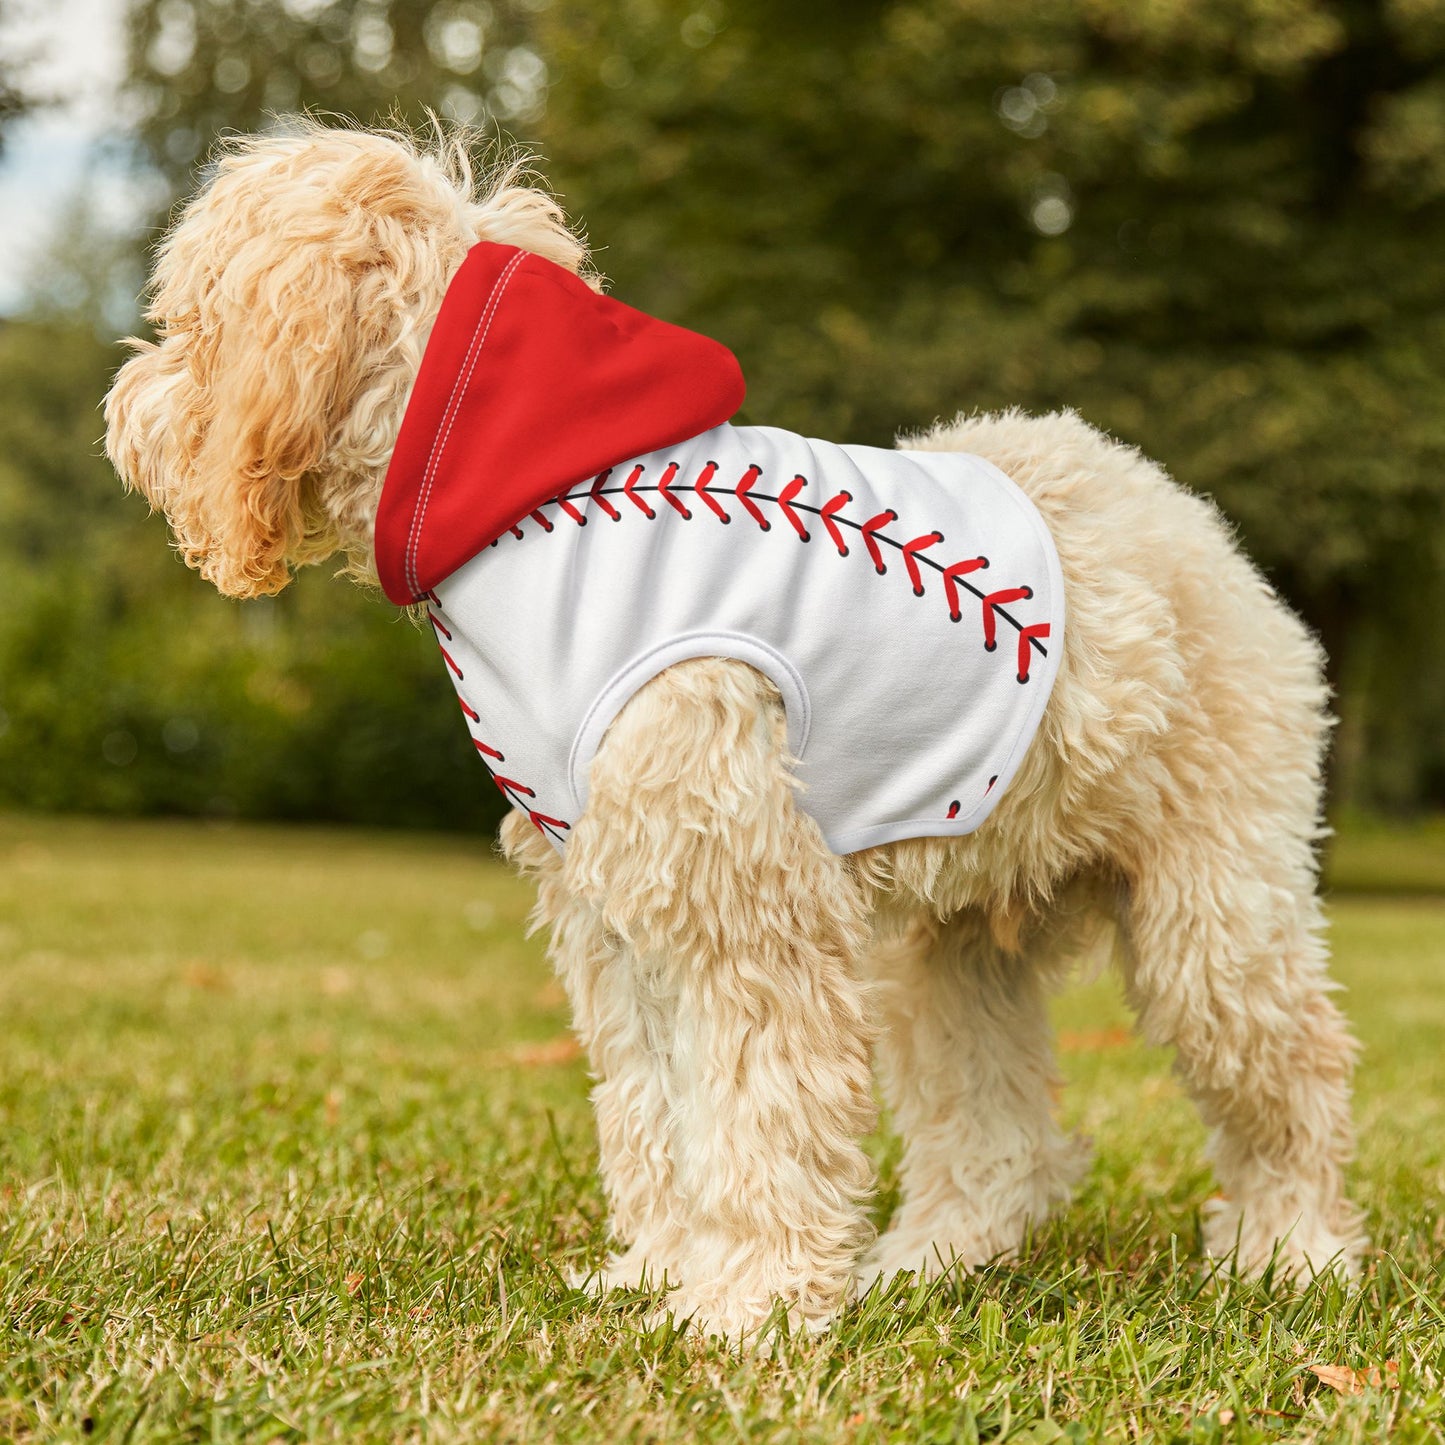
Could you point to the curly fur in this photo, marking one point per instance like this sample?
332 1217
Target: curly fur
729 976
292 301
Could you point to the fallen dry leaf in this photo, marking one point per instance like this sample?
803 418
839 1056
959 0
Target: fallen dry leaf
1097 1041
203 975
560 1050
354 1283
551 995
335 982
1347 1381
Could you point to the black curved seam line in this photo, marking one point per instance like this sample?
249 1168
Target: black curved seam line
844 521
536 822
518 803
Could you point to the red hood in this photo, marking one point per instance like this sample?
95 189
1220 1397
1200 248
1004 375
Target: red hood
531 383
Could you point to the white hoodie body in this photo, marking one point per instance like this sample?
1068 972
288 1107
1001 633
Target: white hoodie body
875 628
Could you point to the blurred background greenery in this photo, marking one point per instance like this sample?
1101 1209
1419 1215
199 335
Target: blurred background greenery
1214 227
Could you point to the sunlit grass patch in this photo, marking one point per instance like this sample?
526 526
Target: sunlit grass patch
292 1146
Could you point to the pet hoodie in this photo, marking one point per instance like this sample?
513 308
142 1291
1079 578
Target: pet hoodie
568 497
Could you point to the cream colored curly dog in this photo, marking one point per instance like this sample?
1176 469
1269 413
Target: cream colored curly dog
730 974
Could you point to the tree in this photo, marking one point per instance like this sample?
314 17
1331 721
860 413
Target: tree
15 97
202 67
1216 229
127 685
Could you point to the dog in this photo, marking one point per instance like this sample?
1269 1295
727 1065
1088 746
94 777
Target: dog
734 969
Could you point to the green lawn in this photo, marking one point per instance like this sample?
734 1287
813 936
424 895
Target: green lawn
292 1147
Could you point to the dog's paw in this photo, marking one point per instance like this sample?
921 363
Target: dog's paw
1299 1245
757 1325
966 1227
635 1269
900 1253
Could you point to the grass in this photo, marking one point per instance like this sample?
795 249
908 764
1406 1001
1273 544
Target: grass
292 1147
1398 858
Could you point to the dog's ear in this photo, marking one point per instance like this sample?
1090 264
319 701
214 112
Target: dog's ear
245 388
286 301
144 415
221 422
278 353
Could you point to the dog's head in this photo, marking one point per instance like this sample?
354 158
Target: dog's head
292 300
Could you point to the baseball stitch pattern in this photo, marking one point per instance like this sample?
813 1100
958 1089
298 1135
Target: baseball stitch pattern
994 604
515 792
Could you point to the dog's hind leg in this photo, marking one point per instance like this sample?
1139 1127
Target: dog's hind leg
743 930
966 1060
1226 962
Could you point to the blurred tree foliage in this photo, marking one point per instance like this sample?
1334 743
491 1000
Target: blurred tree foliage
202 67
1215 227
15 96
127 685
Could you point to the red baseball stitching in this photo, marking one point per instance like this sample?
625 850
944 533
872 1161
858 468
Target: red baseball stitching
827 512
950 585
512 790
870 531
956 805
511 787
1026 636
910 558
749 478
565 504
701 488
663 487
627 491
786 499
991 605
596 495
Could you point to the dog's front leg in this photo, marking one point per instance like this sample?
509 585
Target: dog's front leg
739 930
622 1012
